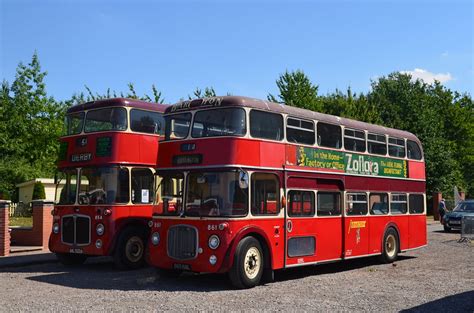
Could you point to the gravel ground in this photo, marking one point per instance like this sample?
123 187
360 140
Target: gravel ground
439 277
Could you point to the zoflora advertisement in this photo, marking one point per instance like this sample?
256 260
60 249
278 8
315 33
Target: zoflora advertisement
351 163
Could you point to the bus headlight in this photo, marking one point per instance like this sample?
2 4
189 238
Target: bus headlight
56 228
214 242
213 260
155 239
100 229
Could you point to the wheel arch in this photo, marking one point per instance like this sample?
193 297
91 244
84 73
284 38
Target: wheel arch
124 224
258 234
397 231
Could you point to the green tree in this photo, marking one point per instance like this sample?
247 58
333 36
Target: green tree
296 89
31 123
89 95
420 108
199 93
351 106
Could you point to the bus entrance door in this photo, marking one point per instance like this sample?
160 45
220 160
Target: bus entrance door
356 225
300 230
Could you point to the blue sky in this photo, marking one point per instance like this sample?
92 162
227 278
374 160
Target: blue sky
239 47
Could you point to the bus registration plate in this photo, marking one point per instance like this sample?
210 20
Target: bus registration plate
179 266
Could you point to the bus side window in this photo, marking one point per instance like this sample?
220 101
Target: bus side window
416 204
300 203
398 203
377 144
266 125
329 203
378 203
265 194
329 135
142 185
356 204
414 151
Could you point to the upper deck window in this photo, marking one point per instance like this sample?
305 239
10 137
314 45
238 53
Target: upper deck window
177 126
219 122
354 140
106 119
266 125
396 147
300 131
329 135
74 123
414 151
147 122
377 144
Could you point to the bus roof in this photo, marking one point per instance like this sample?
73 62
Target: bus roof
229 101
121 102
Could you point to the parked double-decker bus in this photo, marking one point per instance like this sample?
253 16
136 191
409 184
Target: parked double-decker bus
107 160
250 186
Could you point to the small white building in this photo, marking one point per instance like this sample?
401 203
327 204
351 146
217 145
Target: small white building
25 190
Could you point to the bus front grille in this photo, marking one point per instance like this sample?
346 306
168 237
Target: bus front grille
182 242
75 230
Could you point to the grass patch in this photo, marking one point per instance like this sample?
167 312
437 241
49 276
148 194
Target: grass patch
21 221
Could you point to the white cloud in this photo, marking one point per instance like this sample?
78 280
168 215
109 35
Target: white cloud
428 77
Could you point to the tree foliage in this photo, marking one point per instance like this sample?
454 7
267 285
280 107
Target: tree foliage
38 191
443 120
31 123
199 93
297 90
87 96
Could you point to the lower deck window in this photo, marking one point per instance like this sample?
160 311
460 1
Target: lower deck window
142 185
378 203
416 204
300 203
398 203
265 194
329 203
356 204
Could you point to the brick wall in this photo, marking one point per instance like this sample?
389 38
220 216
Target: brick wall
38 235
4 233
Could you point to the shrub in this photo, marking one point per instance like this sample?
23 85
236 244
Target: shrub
38 191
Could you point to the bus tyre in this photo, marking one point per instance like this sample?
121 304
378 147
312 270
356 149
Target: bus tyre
70 259
390 246
130 249
247 268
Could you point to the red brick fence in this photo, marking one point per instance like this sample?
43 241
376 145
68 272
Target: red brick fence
37 235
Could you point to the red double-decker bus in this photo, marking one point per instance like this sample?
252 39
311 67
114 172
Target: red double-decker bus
250 186
107 160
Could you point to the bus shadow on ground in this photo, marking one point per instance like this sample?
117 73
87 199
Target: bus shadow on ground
461 302
103 276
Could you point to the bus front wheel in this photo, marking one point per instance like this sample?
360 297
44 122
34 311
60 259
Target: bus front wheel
391 246
247 268
130 249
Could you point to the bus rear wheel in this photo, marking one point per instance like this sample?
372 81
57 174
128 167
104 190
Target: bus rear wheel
247 268
391 246
69 259
130 249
